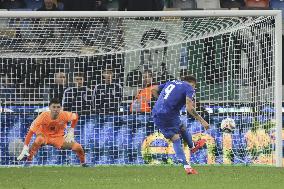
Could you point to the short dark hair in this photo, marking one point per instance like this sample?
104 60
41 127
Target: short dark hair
148 71
54 101
189 78
79 74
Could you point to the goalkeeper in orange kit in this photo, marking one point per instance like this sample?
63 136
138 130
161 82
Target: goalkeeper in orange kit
49 128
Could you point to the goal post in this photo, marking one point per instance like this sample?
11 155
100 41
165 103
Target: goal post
278 89
236 56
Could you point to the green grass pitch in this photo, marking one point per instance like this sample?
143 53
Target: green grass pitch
144 177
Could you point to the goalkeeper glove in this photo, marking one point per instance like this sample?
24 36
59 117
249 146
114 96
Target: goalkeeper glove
25 152
69 136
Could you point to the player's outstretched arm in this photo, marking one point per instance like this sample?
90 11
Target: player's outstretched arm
35 126
190 108
69 137
25 150
74 120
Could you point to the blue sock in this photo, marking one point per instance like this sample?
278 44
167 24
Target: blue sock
179 152
186 136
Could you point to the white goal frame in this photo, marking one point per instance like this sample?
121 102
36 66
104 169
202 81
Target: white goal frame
212 13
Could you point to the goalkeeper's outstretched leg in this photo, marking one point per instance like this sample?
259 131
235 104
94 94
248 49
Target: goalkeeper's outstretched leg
77 148
57 143
39 141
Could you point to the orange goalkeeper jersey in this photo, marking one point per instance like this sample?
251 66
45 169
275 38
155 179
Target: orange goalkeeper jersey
52 128
142 100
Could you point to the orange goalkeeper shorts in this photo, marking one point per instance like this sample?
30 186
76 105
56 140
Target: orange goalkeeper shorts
57 142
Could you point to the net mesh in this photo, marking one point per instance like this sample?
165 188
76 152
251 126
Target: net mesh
103 68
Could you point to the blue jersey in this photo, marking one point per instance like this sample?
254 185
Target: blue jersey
172 98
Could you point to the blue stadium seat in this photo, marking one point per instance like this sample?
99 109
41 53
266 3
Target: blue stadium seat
12 4
34 4
277 5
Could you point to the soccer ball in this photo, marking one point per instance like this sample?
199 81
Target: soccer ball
227 125
15 147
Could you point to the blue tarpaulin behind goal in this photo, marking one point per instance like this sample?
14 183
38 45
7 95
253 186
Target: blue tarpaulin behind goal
123 140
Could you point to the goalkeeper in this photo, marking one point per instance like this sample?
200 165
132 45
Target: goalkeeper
49 128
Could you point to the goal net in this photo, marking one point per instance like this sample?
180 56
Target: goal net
103 68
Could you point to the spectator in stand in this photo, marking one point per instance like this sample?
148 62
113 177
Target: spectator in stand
78 98
85 5
107 95
257 4
58 86
144 101
145 5
12 4
48 5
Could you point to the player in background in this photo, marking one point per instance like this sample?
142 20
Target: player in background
49 128
166 115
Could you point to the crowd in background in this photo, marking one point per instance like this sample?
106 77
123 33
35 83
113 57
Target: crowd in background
84 84
95 88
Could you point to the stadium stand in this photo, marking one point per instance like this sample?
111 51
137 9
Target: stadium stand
257 3
208 4
12 4
232 4
278 5
146 5
181 4
33 4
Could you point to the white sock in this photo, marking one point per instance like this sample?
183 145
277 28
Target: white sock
193 146
186 166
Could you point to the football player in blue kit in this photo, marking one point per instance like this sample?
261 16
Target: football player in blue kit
166 115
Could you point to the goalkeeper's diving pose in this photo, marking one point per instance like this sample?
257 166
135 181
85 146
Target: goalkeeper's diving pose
49 128
173 96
